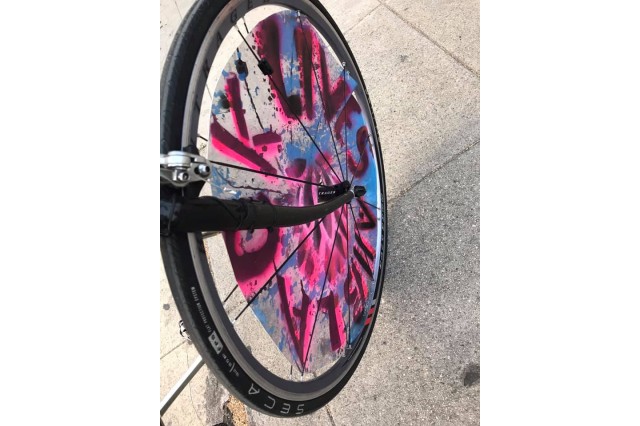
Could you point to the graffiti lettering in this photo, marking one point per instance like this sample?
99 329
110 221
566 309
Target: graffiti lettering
309 51
331 306
255 124
302 315
239 148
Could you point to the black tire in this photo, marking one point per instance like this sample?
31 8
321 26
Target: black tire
210 332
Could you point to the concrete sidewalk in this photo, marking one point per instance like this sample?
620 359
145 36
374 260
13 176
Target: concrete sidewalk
420 61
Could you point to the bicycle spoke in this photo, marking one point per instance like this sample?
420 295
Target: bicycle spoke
283 97
326 274
324 107
245 25
348 277
315 131
246 169
260 172
344 111
355 227
375 207
229 295
265 285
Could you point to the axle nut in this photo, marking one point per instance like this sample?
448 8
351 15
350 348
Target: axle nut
359 191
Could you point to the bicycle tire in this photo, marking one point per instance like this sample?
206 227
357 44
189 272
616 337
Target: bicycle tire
208 330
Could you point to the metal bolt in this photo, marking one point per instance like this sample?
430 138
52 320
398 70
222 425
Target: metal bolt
203 170
183 176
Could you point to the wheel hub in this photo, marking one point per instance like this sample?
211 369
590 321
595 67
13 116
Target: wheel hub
326 193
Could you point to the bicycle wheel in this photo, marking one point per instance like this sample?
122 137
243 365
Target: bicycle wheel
270 92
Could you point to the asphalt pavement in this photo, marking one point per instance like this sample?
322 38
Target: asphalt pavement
420 61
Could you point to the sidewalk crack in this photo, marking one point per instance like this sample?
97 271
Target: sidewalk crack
432 40
432 172
333 422
179 11
173 349
344 33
